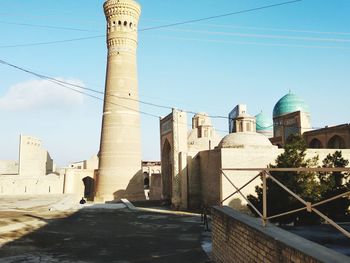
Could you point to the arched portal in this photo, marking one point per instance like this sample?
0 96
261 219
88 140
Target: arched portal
88 187
315 144
336 142
145 180
166 170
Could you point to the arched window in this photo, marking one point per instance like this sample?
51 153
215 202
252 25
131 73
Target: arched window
125 23
167 170
336 142
315 144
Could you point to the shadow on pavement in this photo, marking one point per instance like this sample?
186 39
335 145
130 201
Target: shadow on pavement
106 235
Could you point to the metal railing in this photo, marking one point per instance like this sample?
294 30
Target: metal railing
264 173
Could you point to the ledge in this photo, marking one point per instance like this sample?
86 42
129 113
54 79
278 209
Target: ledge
291 240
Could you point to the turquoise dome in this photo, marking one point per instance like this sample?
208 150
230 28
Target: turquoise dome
288 104
263 122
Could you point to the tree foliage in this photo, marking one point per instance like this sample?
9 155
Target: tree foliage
304 184
309 186
333 184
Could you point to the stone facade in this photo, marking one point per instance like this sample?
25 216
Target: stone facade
38 175
179 156
335 137
292 123
173 141
33 159
240 120
120 149
201 182
34 173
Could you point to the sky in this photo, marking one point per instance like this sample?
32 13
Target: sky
210 66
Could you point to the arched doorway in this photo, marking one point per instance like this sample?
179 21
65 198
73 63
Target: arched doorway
315 144
145 180
166 171
336 142
88 187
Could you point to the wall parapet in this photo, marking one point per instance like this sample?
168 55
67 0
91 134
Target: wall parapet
241 238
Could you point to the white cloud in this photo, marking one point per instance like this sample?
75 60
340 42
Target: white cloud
39 94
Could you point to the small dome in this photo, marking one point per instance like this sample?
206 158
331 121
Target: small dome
244 140
288 104
263 122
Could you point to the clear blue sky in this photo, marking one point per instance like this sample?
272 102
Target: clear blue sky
253 58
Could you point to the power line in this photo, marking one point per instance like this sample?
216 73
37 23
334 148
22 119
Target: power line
290 30
220 16
202 40
47 27
79 86
52 42
265 36
64 84
98 98
249 43
157 27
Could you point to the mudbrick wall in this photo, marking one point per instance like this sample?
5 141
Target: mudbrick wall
241 238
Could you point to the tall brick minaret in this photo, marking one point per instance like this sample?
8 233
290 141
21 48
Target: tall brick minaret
120 148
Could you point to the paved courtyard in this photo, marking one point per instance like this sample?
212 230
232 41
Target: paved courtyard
97 233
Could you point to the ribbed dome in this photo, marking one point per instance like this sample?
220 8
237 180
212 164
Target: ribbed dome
244 140
263 122
288 104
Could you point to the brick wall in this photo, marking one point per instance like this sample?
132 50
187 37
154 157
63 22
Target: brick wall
241 238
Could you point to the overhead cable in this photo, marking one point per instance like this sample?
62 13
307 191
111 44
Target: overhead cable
219 16
69 85
47 27
157 27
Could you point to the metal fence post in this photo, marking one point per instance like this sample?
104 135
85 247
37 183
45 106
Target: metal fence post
264 198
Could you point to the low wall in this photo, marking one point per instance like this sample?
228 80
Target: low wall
8 167
241 238
20 185
155 192
74 181
211 192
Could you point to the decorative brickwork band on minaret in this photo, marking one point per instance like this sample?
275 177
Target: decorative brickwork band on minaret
120 148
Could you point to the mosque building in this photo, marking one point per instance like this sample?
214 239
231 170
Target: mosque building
192 172
291 115
264 124
331 137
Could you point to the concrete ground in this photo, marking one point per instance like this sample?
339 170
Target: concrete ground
58 231
325 235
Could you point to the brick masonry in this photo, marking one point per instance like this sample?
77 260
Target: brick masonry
241 238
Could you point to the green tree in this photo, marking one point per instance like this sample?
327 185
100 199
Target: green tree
303 184
333 184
